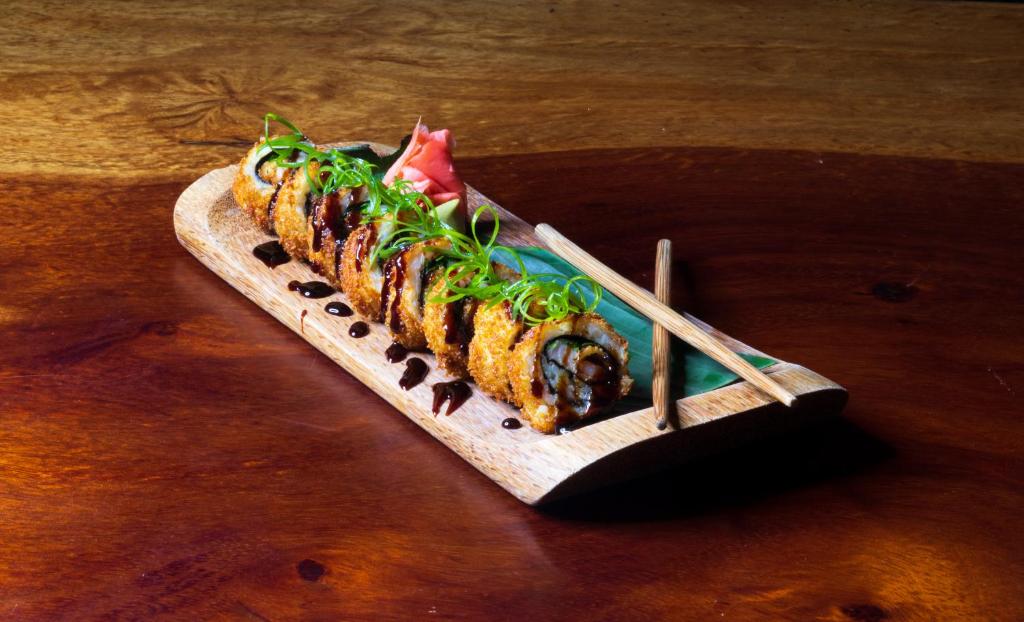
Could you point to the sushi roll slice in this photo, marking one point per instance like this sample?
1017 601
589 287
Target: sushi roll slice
314 227
495 333
291 213
405 277
567 370
258 182
448 327
332 218
361 278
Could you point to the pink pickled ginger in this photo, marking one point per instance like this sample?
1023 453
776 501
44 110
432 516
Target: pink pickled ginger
427 163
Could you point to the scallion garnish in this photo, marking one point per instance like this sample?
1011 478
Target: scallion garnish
469 270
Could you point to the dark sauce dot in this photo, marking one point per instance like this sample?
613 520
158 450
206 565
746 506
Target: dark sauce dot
395 353
338 308
455 393
511 424
359 329
415 371
302 321
272 254
311 289
311 570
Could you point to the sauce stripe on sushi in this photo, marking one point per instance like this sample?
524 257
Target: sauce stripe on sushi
402 291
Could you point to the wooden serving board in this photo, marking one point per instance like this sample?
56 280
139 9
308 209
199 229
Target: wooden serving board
534 467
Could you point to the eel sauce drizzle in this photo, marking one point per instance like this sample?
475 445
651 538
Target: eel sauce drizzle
415 371
271 253
338 308
311 289
455 393
395 353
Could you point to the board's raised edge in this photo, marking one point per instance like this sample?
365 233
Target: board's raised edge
557 466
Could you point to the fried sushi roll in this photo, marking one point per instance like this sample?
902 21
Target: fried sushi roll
291 213
314 227
406 277
332 218
361 275
495 333
567 370
258 182
448 327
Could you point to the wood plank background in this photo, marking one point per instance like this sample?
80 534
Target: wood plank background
151 89
843 187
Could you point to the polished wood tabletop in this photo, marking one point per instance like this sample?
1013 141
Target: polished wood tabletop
843 186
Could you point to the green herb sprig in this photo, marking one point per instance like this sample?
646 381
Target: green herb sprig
469 269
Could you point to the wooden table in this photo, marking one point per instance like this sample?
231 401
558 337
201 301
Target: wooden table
843 185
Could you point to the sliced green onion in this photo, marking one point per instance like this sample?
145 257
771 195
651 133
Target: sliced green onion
535 298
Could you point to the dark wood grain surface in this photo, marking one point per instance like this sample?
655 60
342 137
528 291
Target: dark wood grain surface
168 451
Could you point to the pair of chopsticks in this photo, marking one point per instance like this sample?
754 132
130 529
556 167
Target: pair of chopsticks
665 319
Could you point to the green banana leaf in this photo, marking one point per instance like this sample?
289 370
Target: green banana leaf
699 373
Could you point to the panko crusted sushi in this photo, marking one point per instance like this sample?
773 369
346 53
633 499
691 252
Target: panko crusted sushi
562 371
556 371
332 218
495 333
448 327
258 182
291 213
405 281
361 275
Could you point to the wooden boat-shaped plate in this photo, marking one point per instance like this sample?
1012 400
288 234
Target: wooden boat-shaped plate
536 468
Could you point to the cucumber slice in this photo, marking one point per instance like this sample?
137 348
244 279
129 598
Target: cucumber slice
448 213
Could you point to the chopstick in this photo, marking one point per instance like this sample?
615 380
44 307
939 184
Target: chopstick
644 302
659 342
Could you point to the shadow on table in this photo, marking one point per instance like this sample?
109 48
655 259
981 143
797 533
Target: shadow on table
822 451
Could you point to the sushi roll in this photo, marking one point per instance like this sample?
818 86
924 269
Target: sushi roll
258 182
495 333
556 371
405 280
361 275
313 227
566 370
291 213
449 326
332 218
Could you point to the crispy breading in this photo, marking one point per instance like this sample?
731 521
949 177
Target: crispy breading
452 353
290 218
402 292
255 190
361 281
325 250
449 327
495 332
